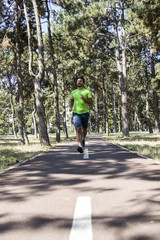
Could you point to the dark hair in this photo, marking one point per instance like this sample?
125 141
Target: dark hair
81 78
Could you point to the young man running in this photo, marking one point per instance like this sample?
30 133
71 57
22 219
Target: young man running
80 98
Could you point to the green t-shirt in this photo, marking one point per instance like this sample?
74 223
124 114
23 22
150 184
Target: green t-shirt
80 106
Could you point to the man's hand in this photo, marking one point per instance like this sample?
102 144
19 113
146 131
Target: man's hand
87 100
81 96
71 104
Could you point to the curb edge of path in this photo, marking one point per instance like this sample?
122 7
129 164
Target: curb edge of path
140 155
19 164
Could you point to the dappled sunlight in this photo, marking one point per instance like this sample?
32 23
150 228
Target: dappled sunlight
135 214
64 167
124 191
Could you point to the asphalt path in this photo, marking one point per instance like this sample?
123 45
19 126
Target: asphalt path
110 194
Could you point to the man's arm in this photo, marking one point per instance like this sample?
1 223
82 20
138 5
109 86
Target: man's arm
87 100
71 104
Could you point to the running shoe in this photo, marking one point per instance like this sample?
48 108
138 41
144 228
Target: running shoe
79 149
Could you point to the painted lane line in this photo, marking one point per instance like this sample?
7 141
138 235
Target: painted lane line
82 223
86 154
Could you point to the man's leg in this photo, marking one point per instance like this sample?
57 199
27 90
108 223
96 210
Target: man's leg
85 125
79 136
84 133
77 118
84 136
78 126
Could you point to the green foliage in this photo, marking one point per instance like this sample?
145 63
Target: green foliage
83 44
149 12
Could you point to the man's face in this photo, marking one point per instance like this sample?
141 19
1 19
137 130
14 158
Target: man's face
80 82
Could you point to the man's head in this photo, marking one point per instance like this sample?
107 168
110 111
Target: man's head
80 82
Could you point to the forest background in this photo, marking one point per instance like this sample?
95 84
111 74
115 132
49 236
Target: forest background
115 45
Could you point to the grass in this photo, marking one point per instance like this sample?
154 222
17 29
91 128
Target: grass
12 152
140 142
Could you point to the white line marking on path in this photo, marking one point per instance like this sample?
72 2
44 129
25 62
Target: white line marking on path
82 223
86 154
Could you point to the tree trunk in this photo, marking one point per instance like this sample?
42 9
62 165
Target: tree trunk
121 66
42 127
137 122
56 105
96 112
19 79
56 94
119 115
41 120
114 111
12 107
34 125
156 111
147 100
147 113
155 97
105 99
13 116
26 136
64 106
125 129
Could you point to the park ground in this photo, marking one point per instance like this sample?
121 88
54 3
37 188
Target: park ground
11 152
114 191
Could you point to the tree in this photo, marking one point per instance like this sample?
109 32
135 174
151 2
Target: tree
37 78
121 66
64 105
19 76
87 38
145 26
56 94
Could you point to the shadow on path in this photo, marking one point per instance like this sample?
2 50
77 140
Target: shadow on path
64 168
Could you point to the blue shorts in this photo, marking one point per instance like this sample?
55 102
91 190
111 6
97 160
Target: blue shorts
80 120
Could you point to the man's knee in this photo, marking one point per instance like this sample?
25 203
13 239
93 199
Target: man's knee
79 129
